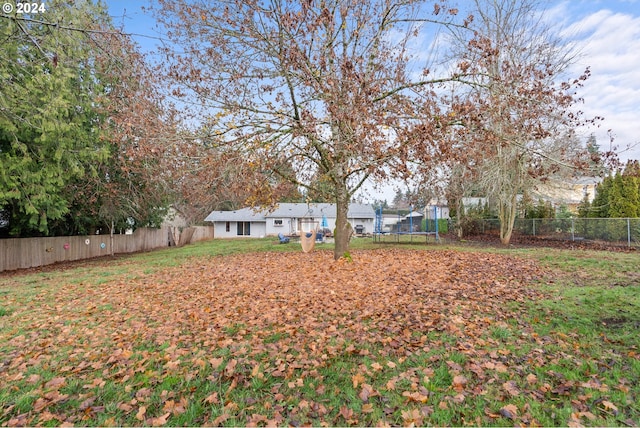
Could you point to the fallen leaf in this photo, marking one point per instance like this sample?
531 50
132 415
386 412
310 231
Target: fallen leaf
55 383
216 362
459 382
160 421
141 412
34 378
416 396
212 398
220 419
256 419
127 408
509 411
391 385
232 386
40 404
610 406
230 368
347 414
357 379
87 403
412 417
512 388
255 371
365 392
458 398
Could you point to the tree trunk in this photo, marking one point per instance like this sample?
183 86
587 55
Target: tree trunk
342 228
507 214
459 215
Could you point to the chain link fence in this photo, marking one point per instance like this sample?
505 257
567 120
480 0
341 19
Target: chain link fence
616 231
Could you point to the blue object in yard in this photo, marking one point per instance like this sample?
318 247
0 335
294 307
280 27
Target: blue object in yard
283 239
324 222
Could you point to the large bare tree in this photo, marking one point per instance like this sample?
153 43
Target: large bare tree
515 125
325 88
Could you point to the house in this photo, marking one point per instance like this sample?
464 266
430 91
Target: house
390 222
568 192
412 222
437 208
288 219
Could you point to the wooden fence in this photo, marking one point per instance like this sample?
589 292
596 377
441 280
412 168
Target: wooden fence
21 253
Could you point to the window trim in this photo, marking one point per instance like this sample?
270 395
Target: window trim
243 228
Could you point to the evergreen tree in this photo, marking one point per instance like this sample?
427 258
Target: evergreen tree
541 209
584 208
624 196
399 199
48 120
617 196
596 164
600 204
76 112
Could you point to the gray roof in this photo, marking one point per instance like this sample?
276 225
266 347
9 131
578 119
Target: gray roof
244 214
318 210
414 214
291 210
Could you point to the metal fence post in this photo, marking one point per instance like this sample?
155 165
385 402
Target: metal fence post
573 235
629 232
534 226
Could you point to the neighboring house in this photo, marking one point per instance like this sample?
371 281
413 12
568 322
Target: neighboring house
288 219
437 208
412 222
568 192
390 222
471 202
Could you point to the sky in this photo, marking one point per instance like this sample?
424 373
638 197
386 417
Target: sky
606 33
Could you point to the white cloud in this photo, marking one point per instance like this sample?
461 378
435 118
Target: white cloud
609 43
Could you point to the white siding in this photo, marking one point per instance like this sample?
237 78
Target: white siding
257 230
271 229
220 230
368 223
287 219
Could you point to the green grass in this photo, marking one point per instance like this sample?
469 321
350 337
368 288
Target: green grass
572 356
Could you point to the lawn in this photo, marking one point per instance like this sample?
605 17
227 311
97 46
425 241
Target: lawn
250 332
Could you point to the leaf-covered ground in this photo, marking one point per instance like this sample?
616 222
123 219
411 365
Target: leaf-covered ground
396 337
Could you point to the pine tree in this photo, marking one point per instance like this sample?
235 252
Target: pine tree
584 208
600 204
624 197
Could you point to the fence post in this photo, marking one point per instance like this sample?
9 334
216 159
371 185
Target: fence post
628 232
534 226
573 235
111 234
